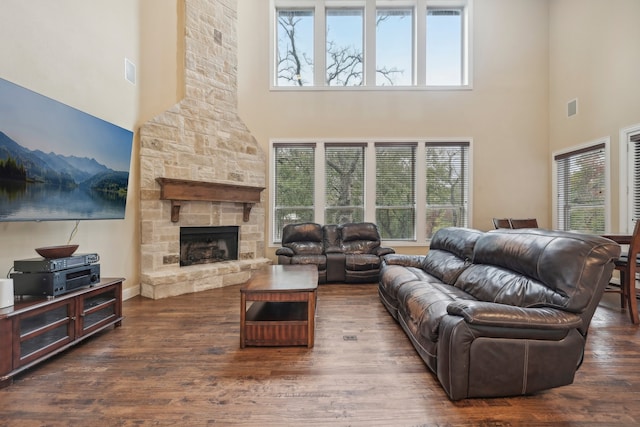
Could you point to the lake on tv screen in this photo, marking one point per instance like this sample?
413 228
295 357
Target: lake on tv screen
31 202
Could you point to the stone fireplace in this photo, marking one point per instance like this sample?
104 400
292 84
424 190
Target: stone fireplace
202 142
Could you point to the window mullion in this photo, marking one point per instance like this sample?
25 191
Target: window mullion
369 53
421 194
421 43
320 45
319 198
370 183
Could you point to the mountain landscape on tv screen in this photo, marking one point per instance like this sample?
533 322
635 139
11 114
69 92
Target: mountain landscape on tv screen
47 186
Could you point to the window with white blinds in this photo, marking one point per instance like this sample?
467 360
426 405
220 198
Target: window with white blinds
344 183
410 189
635 147
581 189
447 185
294 171
395 191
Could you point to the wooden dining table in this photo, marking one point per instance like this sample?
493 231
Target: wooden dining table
621 239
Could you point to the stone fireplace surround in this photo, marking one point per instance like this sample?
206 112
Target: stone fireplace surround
200 139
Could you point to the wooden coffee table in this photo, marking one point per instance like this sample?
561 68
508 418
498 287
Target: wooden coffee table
282 306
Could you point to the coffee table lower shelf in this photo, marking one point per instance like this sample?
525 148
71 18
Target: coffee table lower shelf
277 324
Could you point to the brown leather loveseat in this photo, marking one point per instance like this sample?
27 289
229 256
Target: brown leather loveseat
499 313
347 253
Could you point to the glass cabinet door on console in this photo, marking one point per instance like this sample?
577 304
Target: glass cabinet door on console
43 330
98 309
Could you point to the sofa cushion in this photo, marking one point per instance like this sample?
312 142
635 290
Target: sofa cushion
362 262
533 267
359 238
319 260
450 252
303 239
423 305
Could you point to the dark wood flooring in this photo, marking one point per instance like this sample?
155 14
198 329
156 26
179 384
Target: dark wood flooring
177 362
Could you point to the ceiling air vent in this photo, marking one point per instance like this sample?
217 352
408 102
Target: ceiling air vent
572 107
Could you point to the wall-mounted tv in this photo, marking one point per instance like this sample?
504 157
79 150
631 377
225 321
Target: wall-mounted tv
57 162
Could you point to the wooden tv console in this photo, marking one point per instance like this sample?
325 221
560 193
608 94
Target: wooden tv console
36 328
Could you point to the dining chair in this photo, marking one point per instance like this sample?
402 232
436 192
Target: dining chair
628 270
501 223
523 223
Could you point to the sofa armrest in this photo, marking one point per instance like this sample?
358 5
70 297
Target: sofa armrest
285 251
489 314
382 251
404 260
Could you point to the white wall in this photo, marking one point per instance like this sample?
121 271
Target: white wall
505 113
73 51
594 47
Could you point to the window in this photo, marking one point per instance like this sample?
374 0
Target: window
344 47
445 35
410 189
581 189
294 185
394 47
344 183
447 184
395 191
294 55
371 43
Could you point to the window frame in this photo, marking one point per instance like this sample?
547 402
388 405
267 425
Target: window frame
607 181
420 237
627 171
370 11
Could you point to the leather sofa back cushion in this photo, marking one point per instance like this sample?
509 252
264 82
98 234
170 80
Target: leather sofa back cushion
303 239
359 238
537 268
359 231
459 241
450 251
443 265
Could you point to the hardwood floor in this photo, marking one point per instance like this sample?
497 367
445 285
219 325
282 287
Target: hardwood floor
177 362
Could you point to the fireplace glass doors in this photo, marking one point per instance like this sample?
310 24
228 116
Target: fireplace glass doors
203 245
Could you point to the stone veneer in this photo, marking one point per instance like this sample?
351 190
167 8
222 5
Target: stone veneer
201 138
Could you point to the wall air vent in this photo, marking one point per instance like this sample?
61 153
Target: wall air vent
572 107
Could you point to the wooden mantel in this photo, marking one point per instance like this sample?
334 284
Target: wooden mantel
178 190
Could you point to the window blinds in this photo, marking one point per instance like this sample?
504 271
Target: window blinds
635 148
344 183
581 189
294 185
447 184
395 190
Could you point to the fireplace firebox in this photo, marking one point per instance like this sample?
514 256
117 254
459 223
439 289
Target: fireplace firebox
203 245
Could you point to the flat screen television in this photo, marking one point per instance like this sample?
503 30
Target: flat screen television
57 162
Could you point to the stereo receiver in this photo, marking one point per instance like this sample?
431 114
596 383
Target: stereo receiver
54 283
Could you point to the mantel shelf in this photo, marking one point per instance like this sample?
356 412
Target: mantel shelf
178 190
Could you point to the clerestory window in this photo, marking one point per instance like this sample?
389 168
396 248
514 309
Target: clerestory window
371 43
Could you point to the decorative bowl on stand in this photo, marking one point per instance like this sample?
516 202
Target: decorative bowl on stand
57 251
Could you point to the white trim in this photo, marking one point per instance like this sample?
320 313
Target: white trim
607 179
625 181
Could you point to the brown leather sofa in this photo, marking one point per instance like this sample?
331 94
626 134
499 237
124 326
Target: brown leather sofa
499 313
346 253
